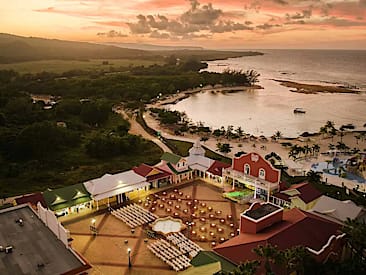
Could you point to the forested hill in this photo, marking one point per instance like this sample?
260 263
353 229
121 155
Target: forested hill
18 48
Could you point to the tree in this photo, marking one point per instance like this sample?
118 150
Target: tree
204 139
332 132
356 239
316 148
313 176
278 135
323 130
229 131
239 131
95 113
329 124
295 259
270 254
224 147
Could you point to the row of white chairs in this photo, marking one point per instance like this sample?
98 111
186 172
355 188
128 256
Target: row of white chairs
170 255
134 215
184 244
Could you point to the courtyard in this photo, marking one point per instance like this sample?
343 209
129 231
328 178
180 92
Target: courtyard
210 219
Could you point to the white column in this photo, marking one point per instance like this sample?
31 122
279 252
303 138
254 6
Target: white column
97 205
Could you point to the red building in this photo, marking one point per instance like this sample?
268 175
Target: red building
264 224
254 172
155 176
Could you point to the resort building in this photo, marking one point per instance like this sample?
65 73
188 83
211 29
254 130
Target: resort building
155 176
177 166
302 195
69 199
29 245
267 224
197 160
252 171
115 188
338 211
215 170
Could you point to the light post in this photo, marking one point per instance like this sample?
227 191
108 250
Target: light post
129 257
93 228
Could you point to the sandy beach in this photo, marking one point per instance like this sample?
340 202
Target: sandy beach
313 89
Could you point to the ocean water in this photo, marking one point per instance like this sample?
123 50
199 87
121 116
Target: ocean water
264 111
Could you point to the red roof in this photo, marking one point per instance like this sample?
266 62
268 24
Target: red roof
144 170
33 199
308 193
297 228
216 168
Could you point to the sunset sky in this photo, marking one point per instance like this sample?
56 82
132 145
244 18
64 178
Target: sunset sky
236 24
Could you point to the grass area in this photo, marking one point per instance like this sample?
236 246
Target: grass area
182 147
60 66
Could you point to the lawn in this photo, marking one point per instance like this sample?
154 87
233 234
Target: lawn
182 147
60 66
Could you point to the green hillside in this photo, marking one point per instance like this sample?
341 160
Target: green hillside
17 48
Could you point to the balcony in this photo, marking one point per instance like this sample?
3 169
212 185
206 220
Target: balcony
249 180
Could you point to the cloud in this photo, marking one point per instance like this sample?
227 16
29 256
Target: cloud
197 22
141 27
112 34
267 26
297 16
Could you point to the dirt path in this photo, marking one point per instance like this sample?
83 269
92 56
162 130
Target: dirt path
138 130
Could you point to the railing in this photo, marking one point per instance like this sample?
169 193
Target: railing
249 179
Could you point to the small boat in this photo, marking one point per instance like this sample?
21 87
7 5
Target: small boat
299 111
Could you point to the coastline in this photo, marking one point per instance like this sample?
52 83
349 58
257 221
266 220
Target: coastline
175 98
315 88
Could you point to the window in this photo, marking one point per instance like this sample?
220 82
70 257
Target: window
262 173
247 169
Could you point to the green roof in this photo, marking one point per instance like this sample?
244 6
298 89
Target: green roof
208 257
177 172
170 158
66 197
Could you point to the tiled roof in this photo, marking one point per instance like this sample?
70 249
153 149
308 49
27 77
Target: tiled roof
32 199
170 157
306 192
151 173
297 228
143 169
216 168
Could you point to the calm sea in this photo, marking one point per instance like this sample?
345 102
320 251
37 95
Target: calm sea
270 109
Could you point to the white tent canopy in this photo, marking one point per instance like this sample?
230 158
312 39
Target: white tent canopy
111 185
200 163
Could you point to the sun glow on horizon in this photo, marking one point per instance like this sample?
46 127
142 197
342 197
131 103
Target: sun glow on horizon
211 24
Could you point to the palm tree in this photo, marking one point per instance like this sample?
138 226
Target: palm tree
278 135
292 154
270 255
294 259
239 131
314 176
307 149
316 148
332 132
252 76
358 138
331 146
229 131
356 239
341 133
329 124
323 130
247 268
